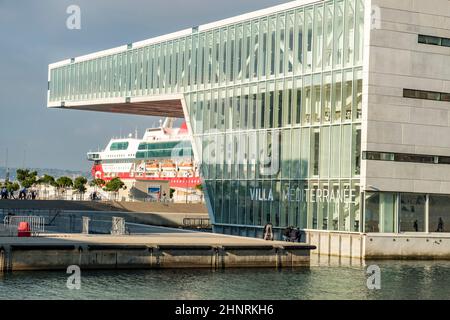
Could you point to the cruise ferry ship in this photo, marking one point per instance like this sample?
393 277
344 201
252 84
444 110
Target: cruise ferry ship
164 153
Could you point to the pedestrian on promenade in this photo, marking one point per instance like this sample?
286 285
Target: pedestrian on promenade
416 226
268 232
440 227
295 235
287 234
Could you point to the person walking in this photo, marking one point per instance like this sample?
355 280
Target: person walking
440 227
268 232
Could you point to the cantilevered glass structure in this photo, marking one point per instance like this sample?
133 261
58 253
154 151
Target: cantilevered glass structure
274 105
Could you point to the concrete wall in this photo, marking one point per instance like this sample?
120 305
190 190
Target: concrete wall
379 245
407 246
27 258
394 60
339 244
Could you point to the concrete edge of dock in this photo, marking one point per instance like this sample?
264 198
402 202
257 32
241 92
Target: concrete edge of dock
91 256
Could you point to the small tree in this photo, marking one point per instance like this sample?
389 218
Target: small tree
63 183
97 183
79 185
26 177
47 181
114 186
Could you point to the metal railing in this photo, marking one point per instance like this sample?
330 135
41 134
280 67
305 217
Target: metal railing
118 226
37 224
197 223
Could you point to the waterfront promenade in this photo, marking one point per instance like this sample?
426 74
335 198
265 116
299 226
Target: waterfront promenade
157 248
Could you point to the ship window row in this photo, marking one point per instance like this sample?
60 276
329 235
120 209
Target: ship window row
310 100
432 40
119 146
288 203
426 95
164 145
403 157
315 38
165 153
298 153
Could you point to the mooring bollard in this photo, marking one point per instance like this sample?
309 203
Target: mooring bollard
86 221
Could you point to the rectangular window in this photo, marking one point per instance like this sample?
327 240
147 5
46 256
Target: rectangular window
426 95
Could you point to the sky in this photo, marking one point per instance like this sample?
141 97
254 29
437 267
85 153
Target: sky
34 34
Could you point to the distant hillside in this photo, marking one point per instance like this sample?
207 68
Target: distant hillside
52 172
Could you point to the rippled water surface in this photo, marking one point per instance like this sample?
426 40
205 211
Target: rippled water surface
399 280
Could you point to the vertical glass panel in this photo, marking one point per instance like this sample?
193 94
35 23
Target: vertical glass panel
216 60
337 97
297 108
316 98
334 208
328 36
358 85
231 59
349 40
278 104
346 224
355 207
318 37
288 103
239 52
223 55
298 65
439 219
325 152
264 48
321 196
359 37
281 44
327 95
255 45
346 151
247 51
335 156
306 105
308 39
338 33
290 42
295 155
348 95
270 105
285 153
412 213
315 152
305 152
272 46
356 151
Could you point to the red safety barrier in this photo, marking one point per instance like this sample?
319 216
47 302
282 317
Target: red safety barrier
24 230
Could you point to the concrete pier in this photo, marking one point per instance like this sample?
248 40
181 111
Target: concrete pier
165 248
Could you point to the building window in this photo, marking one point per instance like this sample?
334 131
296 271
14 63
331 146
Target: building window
432 40
426 95
412 213
403 157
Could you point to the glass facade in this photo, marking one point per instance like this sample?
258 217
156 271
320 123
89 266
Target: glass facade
389 212
275 104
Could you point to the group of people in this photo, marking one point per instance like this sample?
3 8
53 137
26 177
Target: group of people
23 194
290 234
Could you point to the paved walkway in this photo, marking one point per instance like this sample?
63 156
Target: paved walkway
158 236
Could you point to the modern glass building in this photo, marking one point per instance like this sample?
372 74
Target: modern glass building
311 114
